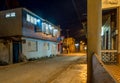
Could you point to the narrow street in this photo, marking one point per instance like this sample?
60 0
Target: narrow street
60 69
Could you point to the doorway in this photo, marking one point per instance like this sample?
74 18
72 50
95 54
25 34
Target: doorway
16 51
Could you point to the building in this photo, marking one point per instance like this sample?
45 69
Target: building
69 45
23 33
83 47
109 36
110 31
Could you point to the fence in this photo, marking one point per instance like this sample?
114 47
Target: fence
109 56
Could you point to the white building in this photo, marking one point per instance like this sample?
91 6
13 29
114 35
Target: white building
24 33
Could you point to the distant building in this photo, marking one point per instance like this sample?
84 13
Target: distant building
23 33
69 45
83 47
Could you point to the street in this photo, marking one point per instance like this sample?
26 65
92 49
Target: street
59 69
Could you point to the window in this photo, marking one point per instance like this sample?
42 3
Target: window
31 19
47 30
34 21
55 31
28 18
43 27
51 29
7 15
32 46
12 14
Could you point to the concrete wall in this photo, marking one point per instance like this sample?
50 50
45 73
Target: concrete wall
100 74
4 52
94 23
10 26
41 49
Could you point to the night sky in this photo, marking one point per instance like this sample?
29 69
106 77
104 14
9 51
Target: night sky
67 13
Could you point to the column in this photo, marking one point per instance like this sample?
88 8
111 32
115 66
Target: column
94 19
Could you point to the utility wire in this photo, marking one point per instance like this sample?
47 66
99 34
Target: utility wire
76 9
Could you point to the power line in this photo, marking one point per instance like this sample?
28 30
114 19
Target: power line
76 9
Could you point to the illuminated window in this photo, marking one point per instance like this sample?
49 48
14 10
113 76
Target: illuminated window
55 31
31 19
7 15
51 29
13 14
28 18
38 20
43 27
47 30
35 21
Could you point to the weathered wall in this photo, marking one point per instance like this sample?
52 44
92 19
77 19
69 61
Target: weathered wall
4 52
10 26
100 74
34 48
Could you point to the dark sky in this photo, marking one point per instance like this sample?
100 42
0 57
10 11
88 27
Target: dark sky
66 13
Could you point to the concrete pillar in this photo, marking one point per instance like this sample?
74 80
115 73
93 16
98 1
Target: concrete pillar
11 52
118 25
94 19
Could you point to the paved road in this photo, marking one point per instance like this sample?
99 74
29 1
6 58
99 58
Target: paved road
61 69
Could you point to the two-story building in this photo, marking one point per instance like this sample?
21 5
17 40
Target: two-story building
23 33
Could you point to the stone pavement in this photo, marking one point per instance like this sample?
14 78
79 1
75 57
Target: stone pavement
114 70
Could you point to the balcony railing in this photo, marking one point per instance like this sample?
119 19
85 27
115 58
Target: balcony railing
109 56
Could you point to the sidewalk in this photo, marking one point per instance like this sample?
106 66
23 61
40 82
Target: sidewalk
114 69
